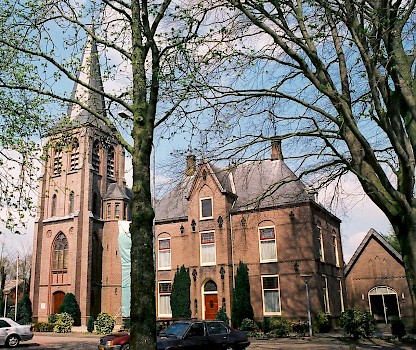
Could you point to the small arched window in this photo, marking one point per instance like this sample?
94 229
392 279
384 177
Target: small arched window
71 202
60 252
96 156
54 202
110 162
74 154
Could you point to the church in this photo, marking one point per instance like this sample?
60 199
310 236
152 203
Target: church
258 213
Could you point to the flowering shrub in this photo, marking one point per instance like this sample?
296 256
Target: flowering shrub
64 323
104 324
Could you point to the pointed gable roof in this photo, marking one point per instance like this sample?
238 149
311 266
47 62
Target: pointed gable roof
256 185
372 235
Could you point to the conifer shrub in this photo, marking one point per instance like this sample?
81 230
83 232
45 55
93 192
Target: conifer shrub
357 323
90 324
180 298
222 315
242 307
398 329
24 310
70 306
104 324
64 323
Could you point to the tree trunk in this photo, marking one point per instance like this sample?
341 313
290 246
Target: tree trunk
406 234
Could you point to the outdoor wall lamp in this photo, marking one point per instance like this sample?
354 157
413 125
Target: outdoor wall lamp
182 229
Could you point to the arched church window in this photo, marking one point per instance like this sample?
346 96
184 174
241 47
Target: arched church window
74 154
71 202
60 252
54 202
210 286
110 162
57 161
96 156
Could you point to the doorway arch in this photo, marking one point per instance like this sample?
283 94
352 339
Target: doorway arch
384 304
210 300
57 300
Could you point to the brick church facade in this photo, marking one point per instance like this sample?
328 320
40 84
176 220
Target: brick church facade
258 213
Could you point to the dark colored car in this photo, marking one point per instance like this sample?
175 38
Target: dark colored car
187 334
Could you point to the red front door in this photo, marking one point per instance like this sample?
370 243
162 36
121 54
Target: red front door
58 298
211 306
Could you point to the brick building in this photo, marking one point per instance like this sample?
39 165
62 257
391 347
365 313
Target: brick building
82 198
257 212
376 280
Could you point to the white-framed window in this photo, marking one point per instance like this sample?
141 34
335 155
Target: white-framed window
271 295
321 250
267 241
205 207
341 295
208 253
165 289
164 254
117 211
326 295
108 210
336 253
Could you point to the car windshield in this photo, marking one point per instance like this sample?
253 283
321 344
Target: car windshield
176 329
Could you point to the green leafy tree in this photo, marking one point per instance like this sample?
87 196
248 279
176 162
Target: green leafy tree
70 306
141 45
180 298
242 308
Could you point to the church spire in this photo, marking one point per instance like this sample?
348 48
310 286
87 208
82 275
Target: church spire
90 75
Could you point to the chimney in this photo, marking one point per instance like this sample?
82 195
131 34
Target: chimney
190 165
277 150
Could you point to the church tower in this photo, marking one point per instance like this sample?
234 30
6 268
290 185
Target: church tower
83 168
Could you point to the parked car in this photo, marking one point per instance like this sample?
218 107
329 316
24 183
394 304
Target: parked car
12 333
186 334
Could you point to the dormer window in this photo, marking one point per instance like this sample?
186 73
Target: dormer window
206 208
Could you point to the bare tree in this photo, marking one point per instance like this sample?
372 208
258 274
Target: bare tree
336 80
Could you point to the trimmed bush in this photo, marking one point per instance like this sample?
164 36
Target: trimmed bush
43 327
398 330
222 315
357 323
249 325
300 328
279 327
70 306
64 323
104 324
90 324
322 323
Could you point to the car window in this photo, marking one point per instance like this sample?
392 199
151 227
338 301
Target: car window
197 329
177 329
217 328
3 324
